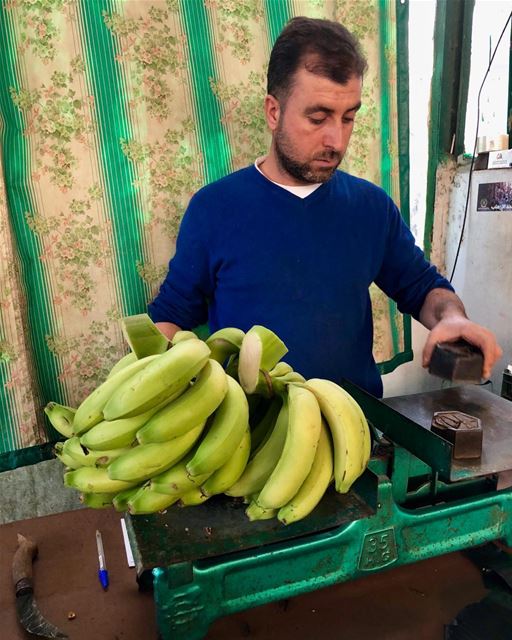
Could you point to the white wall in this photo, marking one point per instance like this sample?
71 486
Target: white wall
484 279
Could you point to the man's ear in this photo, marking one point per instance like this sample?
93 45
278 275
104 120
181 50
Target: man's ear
272 111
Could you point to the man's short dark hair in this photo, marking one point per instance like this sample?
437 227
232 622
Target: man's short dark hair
323 47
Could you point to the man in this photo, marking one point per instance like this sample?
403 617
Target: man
293 244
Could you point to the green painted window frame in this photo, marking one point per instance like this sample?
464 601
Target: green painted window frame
449 94
402 43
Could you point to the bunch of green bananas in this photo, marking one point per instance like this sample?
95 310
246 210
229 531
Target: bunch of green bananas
180 423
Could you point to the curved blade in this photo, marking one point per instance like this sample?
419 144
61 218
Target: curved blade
32 620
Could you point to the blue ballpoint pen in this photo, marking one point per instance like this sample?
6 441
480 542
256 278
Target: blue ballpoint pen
102 572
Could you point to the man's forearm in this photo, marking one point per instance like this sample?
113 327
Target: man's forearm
168 329
440 304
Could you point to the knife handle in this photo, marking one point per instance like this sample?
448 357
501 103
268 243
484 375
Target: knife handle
22 563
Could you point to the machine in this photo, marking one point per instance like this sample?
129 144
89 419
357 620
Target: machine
436 483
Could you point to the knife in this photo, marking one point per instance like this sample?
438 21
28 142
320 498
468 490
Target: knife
27 610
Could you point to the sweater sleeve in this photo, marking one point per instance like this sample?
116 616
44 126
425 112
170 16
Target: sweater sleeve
183 296
405 275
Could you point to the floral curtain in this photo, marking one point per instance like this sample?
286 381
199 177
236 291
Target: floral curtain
112 113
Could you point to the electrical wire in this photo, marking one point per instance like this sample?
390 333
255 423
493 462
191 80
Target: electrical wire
475 147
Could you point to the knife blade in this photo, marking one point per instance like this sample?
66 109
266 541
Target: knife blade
29 616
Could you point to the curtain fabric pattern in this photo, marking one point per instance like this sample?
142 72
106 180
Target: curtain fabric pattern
112 114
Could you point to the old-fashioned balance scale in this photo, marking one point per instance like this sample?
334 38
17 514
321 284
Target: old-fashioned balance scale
433 486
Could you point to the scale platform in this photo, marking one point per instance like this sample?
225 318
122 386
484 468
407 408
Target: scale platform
406 421
220 526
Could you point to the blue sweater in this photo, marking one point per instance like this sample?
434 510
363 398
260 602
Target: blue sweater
249 252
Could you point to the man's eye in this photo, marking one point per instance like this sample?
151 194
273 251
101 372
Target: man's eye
316 120
348 120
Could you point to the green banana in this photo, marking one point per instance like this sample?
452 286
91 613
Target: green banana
122 432
162 378
86 458
304 425
192 497
222 479
66 459
192 407
280 370
225 343
93 480
183 335
274 382
90 411
264 427
176 481
264 459
147 460
229 424
315 484
61 418
255 512
97 500
349 431
146 500
120 500
367 438
129 358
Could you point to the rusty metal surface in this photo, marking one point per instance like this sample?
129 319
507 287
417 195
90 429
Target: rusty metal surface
494 412
220 526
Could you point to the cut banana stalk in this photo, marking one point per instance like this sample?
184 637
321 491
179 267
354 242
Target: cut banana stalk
143 336
261 350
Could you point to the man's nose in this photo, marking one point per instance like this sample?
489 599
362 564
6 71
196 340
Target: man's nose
334 137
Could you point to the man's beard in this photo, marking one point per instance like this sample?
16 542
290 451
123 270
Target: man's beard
303 171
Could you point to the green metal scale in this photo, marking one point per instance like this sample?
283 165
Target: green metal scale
416 500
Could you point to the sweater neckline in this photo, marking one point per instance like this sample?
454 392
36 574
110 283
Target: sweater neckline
288 195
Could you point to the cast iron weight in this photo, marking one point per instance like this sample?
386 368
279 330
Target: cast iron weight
462 430
457 361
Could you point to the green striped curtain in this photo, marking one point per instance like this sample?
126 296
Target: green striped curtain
112 114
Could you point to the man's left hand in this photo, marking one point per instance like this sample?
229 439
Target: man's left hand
455 328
